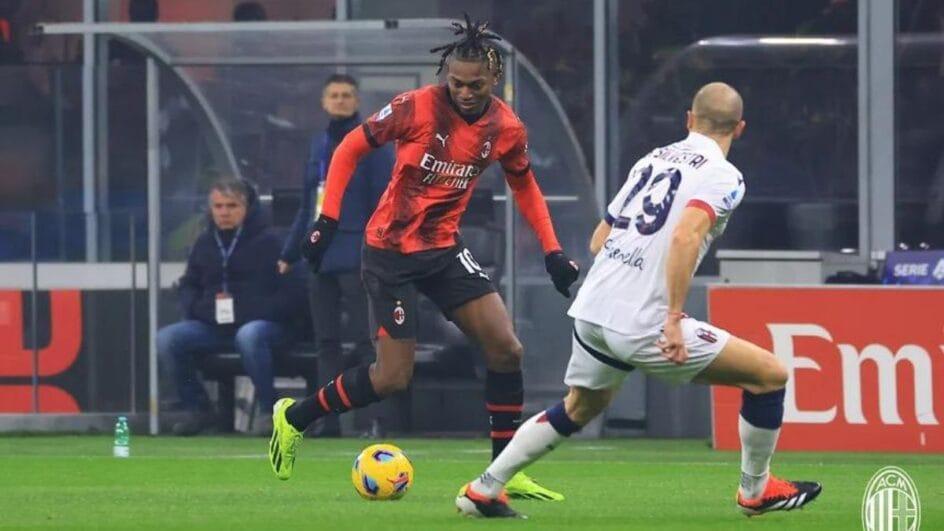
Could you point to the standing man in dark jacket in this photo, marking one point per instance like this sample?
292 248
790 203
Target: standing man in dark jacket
232 298
337 285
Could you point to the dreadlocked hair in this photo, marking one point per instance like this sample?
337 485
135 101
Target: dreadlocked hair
476 43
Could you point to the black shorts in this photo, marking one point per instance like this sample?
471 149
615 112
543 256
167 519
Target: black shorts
449 277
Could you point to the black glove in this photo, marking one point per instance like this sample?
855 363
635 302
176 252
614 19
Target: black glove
317 240
563 271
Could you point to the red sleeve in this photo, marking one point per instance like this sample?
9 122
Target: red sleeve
343 163
516 161
392 122
533 207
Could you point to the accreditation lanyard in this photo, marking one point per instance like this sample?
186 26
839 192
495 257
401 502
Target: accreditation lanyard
226 253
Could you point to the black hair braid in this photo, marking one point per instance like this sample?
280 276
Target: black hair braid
476 43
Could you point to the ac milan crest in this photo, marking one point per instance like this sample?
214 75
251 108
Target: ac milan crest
486 149
399 315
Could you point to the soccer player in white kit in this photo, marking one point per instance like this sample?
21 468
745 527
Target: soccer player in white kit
628 314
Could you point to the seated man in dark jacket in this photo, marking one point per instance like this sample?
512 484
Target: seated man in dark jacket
232 298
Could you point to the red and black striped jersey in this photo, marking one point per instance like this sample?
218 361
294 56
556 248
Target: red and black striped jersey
439 159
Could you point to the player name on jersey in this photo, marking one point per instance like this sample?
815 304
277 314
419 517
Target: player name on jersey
676 156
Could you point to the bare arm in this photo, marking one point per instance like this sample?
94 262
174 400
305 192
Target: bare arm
680 265
600 234
683 253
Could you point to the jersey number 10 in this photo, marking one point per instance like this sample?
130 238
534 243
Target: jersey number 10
470 265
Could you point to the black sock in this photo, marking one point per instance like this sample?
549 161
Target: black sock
504 399
562 424
763 410
350 390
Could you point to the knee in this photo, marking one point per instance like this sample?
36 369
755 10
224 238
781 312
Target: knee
390 379
169 343
506 355
775 375
583 405
251 338
164 341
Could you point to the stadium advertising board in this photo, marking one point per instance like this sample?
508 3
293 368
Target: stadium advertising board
866 365
56 352
914 267
81 357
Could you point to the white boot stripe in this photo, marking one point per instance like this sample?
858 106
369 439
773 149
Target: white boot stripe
802 498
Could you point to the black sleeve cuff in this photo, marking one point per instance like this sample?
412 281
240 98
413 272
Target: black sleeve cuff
370 136
521 172
609 219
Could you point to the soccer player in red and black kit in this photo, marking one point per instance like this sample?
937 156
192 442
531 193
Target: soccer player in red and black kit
446 136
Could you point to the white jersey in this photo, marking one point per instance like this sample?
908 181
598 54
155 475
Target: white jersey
625 289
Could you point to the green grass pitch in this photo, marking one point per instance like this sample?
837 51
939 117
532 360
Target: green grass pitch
225 483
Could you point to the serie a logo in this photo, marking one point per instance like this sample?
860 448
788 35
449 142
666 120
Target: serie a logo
891 502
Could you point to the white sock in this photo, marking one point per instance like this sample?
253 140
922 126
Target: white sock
532 440
757 447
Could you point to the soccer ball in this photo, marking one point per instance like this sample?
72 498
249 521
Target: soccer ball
382 472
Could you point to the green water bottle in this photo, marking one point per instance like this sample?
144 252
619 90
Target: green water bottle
122 446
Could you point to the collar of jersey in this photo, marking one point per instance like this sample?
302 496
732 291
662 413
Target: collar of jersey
701 141
467 119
